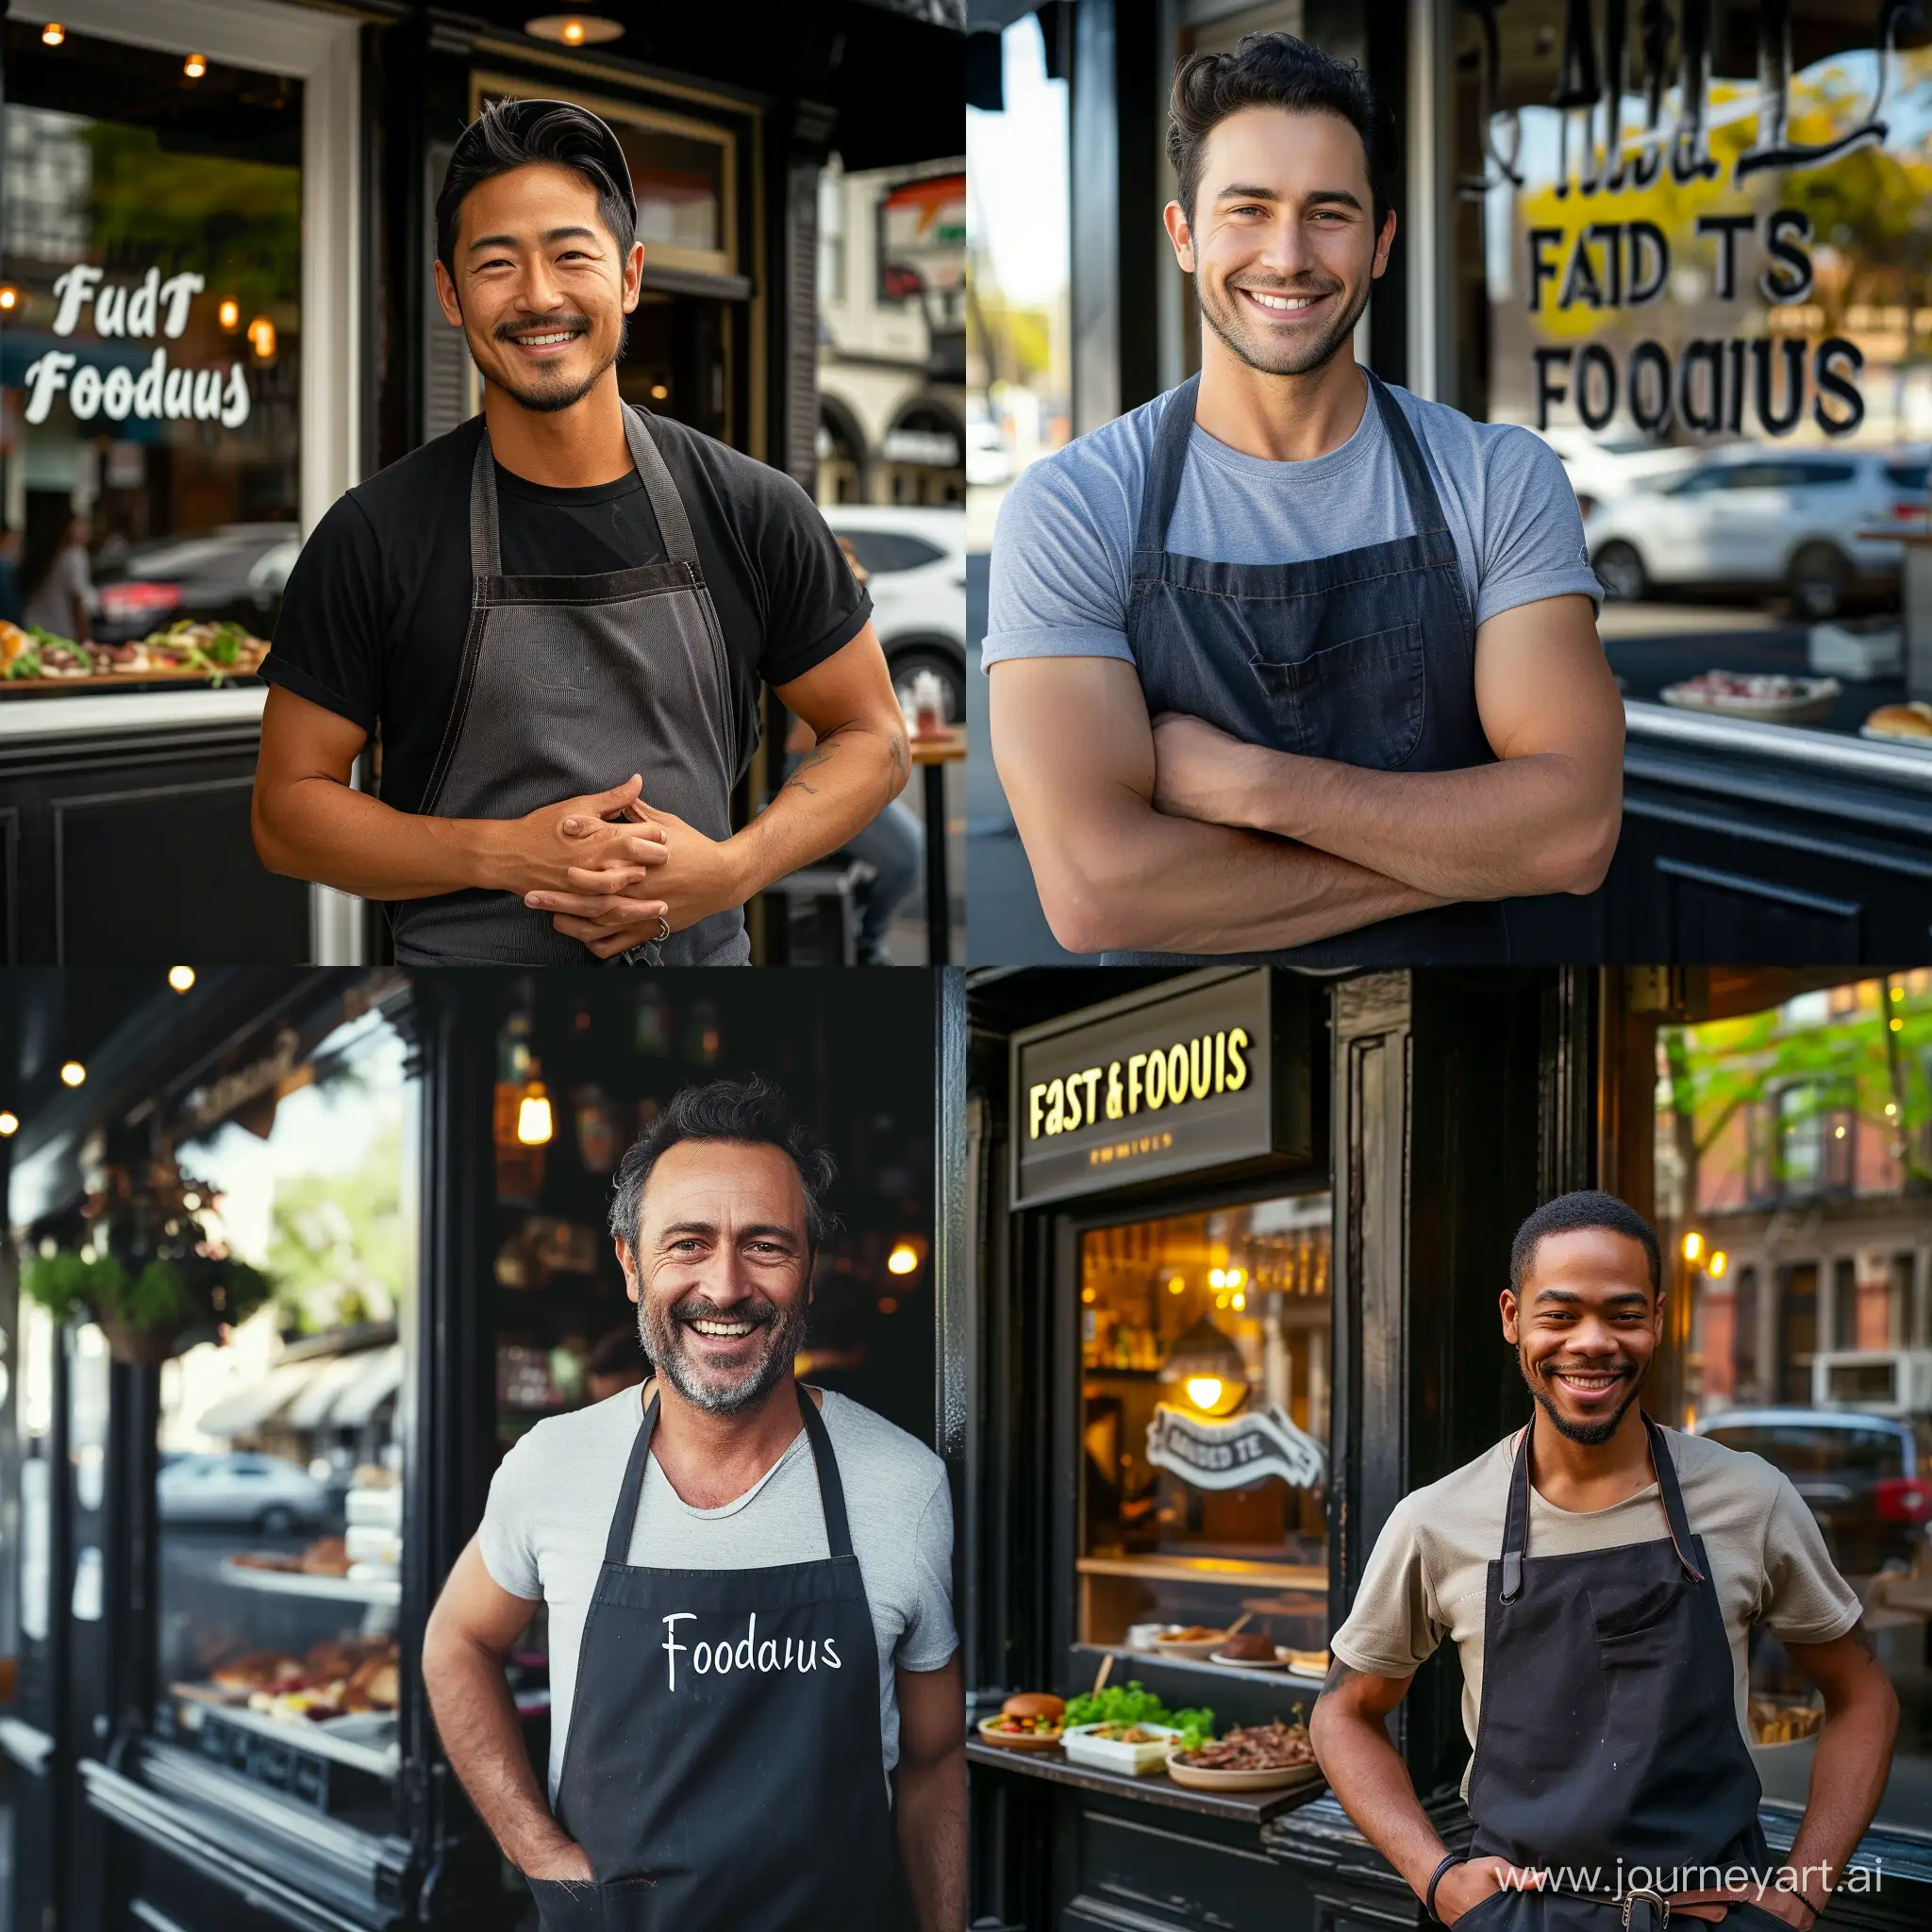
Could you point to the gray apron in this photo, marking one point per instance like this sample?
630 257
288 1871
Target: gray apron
1367 658
569 685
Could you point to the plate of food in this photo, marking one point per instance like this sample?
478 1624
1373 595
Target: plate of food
1250 1650
1132 1749
1109 1728
1907 724
1252 1758
1189 1640
1306 1663
1030 1721
36 659
1770 695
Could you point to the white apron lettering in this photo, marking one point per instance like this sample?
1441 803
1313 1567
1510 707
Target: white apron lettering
747 1654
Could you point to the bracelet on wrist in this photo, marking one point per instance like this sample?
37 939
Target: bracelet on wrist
1436 1880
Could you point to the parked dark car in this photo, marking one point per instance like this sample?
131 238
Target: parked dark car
234 573
1864 1475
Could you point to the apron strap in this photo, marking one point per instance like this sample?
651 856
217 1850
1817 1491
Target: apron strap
1666 1468
1424 504
831 1491
1172 436
667 506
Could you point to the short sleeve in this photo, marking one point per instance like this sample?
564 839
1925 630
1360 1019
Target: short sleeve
1804 1600
1532 543
506 1536
328 637
929 1638
1391 1631
1059 573
814 606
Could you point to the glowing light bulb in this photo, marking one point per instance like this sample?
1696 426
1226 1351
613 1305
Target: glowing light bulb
1175 1284
904 1259
10 1124
1718 1263
180 977
72 1073
1240 1301
9 300
1217 1278
1204 1392
194 66
1693 1246
229 313
53 34
261 337
534 1123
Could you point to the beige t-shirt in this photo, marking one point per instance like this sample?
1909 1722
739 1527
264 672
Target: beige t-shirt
1426 1575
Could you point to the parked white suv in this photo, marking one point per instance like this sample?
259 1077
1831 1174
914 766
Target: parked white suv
1762 521
916 562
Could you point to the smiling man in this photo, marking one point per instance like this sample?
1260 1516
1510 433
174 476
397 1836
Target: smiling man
1328 650
557 617
1601 1578
757 1709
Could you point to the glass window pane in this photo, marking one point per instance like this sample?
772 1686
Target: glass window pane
680 180
1205 1355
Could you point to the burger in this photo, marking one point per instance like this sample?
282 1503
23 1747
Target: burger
1031 1713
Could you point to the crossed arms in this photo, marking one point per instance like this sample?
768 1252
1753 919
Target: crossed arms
1166 835
607 865
470 1632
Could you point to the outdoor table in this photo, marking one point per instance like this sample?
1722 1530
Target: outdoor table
934 752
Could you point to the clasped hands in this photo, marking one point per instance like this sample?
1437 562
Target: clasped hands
613 871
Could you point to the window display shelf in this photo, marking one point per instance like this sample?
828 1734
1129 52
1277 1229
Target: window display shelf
1229 1571
331 1738
386 1591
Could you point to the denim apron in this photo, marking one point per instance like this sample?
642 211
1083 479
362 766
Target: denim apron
1367 658
568 685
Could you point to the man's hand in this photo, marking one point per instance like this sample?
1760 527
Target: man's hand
1197 770
598 831
1475 1879
565 1862
614 907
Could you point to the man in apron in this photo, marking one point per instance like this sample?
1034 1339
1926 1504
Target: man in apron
1599 1577
558 617
757 1709
1287 661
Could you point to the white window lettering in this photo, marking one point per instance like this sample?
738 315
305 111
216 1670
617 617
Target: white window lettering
147 391
117 394
235 409
84 392
46 377
177 293
179 394
671 1646
111 313
75 289
142 312
207 395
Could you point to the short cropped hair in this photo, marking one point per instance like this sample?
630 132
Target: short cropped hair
751 1112
516 134
1277 71
1586 1208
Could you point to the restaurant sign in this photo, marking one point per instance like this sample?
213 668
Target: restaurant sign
1187 1076
1232 1454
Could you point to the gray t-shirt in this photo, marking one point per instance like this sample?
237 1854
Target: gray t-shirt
551 1503
1062 554
1428 1576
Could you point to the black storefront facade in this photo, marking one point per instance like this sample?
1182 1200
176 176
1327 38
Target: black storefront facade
424 1163
1359 1188
277 163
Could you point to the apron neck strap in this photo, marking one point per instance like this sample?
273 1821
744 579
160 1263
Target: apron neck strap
1172 436
1516 1515
667 506
831 1491
1424 504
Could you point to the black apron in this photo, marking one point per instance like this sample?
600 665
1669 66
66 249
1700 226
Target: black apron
1367 657
569 685
1609 1736
723 1768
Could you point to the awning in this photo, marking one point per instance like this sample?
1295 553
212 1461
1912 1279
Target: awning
249 1407
334 1376
381 1378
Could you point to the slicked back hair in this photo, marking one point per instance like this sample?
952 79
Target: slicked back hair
1586 1208
752 1112
1277 71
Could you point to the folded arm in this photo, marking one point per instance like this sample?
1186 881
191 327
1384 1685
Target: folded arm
1544 818
1074 750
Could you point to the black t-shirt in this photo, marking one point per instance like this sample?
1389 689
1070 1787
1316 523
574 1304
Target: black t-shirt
379 604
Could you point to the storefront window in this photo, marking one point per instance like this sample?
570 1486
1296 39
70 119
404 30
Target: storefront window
280 1488
1694 260
1206 1377
1794 1198
150 346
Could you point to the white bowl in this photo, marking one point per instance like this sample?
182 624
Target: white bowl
1109 1753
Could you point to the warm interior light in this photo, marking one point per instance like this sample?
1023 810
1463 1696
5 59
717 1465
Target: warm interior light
904 1259
1240 1301
261 337
534 1124
10 299
1719 1261
573 29
72 1073
191 1201
53 34
1693 1246
180 977
10 1124
659 392
1217 1278
194 66
1087 1294
229 313
888 1305
1204 1392
1237 1278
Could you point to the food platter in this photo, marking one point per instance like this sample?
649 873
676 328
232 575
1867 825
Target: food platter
1113 1754
1017 1741
1199 1648
1276 1779
1277 1662
1772 697
185 653
1278 1755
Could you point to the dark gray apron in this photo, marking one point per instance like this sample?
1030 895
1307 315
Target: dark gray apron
1608 1739
1367 657
569 685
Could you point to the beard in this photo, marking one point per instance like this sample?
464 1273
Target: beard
557 393
662 1329
1222 311
1591 1435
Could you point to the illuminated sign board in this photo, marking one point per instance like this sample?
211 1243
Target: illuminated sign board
1232 1454
1191 1074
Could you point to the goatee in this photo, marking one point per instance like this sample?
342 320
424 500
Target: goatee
1252 344
1591 1435
662 1331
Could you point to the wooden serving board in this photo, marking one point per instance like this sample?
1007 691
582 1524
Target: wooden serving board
128 680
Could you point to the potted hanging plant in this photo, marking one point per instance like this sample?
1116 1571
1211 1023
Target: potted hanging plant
148 1306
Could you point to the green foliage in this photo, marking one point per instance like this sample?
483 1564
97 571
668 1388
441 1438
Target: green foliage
1133 1703
166 1295
64 1284
338 1247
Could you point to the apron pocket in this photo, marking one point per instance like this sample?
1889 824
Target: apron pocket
622 1905
1627 1614
1494 1906
1360 702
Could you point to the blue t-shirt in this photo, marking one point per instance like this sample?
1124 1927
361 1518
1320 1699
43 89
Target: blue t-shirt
1062 555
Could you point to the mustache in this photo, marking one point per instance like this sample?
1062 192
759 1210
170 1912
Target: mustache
1623 1367
698 1306
1279 285
523 325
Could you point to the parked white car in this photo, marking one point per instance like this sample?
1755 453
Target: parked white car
262 1492
1761 522
1602 468
916 562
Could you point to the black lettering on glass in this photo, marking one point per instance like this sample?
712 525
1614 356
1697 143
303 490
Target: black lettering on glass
1779 422
1790 277
1829 381
1653 356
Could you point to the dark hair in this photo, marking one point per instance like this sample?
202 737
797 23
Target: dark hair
1586 1208
514 134
750 1110
1277 71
